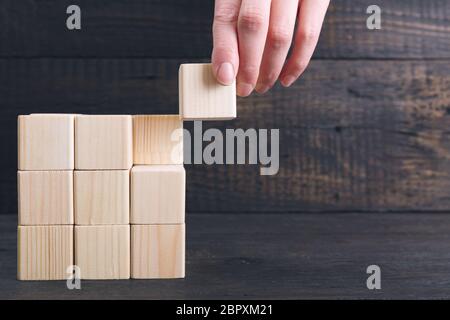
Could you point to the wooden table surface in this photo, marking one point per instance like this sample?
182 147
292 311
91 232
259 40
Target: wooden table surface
273 256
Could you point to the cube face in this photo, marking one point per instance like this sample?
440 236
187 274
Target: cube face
44 252
103 252
103 142
202 97
46 142
158 194
45 197
102 197
157 139
158 251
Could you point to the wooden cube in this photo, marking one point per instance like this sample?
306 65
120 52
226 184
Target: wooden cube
157 139
202 97
44 252
45 197
102 197
103 252
158 251
46 142
103 142
158 194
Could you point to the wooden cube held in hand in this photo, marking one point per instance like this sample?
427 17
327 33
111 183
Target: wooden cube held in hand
103 252
158 251
103 142
45 197
202 97
44 252
158 194
157 139
102 197
46 142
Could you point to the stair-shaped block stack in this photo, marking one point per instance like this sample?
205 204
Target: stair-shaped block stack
107 192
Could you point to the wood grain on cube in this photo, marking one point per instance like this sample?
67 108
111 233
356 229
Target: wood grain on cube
103 252
202 97
158 194
103 142
157 139
102 197
46 142
44 252
158 251
45 197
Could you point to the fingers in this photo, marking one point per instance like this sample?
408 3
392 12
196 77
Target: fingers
281 29
225 55
310 19
249 47
253 23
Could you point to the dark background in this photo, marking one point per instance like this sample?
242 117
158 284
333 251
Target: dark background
365 129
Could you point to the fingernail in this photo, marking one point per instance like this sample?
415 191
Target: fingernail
225 73
244 89
261 88
288 81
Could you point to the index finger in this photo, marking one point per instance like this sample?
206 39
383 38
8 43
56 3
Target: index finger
225 55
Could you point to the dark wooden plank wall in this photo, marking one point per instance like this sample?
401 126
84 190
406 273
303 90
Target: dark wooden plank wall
182 29
366 128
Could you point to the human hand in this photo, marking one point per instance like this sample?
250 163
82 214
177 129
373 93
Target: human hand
252 39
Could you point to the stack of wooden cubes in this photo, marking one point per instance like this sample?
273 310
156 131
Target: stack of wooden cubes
107 192
103 159
45 190
157 198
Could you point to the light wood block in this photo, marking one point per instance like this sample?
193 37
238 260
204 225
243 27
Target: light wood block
46 142
158 194
103 142
202 97
152 139
44 252
102 197
45 197
103 252
158 251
